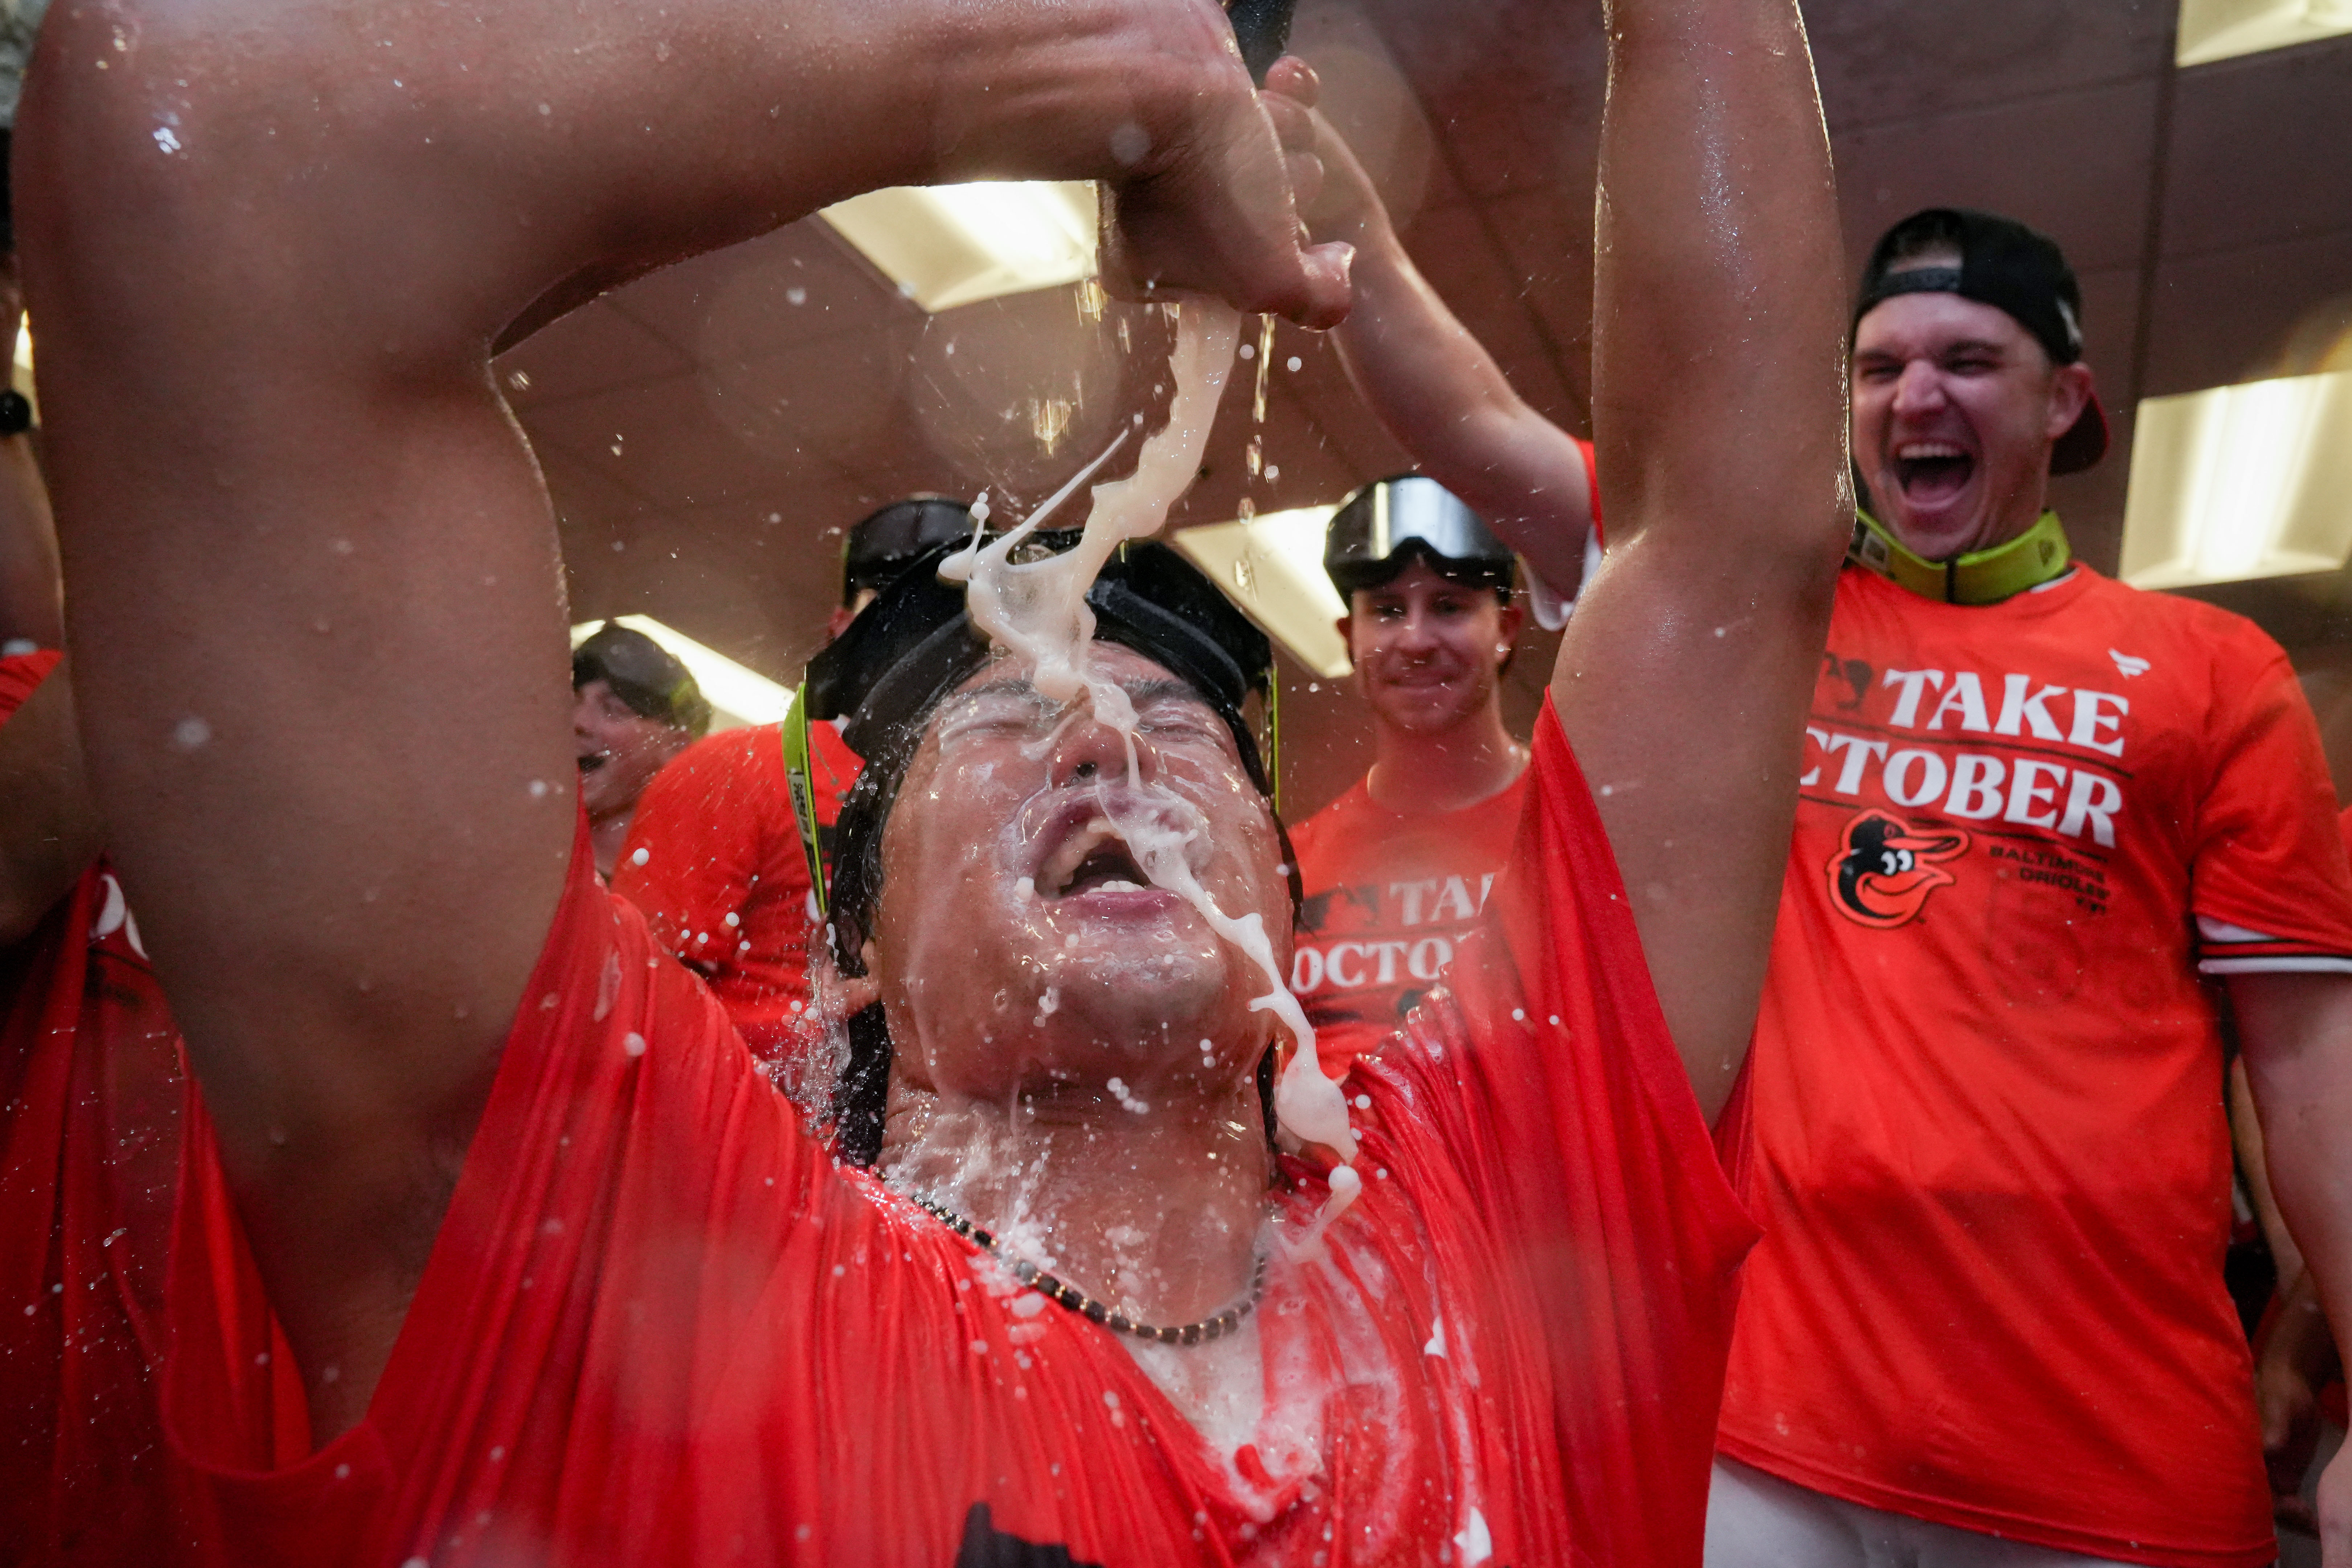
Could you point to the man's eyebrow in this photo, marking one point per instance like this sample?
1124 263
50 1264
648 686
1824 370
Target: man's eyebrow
1141 691
1011 686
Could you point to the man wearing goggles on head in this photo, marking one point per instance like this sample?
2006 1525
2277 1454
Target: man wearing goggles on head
1397 868
717 856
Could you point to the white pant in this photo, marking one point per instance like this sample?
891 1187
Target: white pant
1756 1520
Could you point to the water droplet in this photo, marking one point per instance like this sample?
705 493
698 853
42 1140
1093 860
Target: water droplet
191 732
165 140
634 1043
796 296
1293 363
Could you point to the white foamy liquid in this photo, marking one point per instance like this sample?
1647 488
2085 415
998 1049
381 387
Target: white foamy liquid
1037 610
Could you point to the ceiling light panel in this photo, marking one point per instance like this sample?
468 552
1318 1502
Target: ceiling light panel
738 696
2236 482
1271 566
2223 30
946 246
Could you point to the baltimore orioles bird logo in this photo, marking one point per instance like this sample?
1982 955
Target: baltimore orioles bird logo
1884 869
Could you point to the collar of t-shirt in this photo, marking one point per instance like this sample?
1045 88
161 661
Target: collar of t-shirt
2038 555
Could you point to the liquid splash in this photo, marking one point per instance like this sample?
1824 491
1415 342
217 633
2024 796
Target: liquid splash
1037 610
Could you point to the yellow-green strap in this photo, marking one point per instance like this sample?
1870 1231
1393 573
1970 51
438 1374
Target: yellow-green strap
796 769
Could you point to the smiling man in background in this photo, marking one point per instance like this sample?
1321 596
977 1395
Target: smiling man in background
1987 1324
1397 868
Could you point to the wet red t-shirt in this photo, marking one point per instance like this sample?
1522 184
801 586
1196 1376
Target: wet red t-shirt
660 1326
1389 895
714 860
1990 1157
89 1121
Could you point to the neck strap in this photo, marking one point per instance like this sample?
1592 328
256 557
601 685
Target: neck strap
1979 577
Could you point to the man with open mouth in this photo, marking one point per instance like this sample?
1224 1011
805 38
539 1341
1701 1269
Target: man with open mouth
1987 1324
495 1243
633 709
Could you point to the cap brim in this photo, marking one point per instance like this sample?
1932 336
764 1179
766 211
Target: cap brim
2084 443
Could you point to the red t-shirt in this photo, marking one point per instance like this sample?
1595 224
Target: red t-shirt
1990 1157
659 1325
1388 896
90 1145
714 860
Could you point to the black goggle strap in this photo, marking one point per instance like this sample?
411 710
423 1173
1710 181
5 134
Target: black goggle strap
1273 733
796 769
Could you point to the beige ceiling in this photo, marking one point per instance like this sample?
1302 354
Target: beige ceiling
708 431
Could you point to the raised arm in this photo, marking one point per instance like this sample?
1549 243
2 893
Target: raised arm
1431 385
1720 429
311 569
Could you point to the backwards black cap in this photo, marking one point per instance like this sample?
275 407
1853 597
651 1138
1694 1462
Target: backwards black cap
643 674
2007 266
1391 523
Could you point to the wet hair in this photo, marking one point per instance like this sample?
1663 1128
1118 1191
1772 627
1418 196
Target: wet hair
895 674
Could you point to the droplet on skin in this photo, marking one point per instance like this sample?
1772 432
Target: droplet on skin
538 789
165 140
1293 363
800 297
191 732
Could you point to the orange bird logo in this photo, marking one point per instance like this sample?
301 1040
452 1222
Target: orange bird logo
1885 869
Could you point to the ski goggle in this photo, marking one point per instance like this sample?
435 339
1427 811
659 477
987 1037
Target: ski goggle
885 673
1383 528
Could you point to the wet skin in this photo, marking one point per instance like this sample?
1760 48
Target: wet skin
1024 962
1955 407
1004 792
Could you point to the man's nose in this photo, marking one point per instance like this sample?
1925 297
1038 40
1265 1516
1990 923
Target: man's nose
1417 633
1919 389
1085 749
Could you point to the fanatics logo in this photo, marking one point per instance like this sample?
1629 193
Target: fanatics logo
2127 665
1885 869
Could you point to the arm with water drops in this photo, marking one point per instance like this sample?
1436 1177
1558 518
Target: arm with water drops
1719 420
1430 382
312 569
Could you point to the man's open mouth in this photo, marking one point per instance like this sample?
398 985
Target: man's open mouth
1932 471
592 760
1094 859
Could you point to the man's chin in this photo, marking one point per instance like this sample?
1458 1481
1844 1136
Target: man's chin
1936 532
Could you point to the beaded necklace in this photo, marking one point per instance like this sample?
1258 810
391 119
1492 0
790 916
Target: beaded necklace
1093 1311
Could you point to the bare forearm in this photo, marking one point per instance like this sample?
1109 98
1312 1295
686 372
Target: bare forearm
1437 390
2297 1034
1718 416
1719 309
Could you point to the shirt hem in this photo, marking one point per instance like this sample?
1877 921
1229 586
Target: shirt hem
2283 964
1991 1521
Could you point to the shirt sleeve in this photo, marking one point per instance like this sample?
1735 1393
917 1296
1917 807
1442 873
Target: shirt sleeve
1554 1079
695 848
2269 885
622 1193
